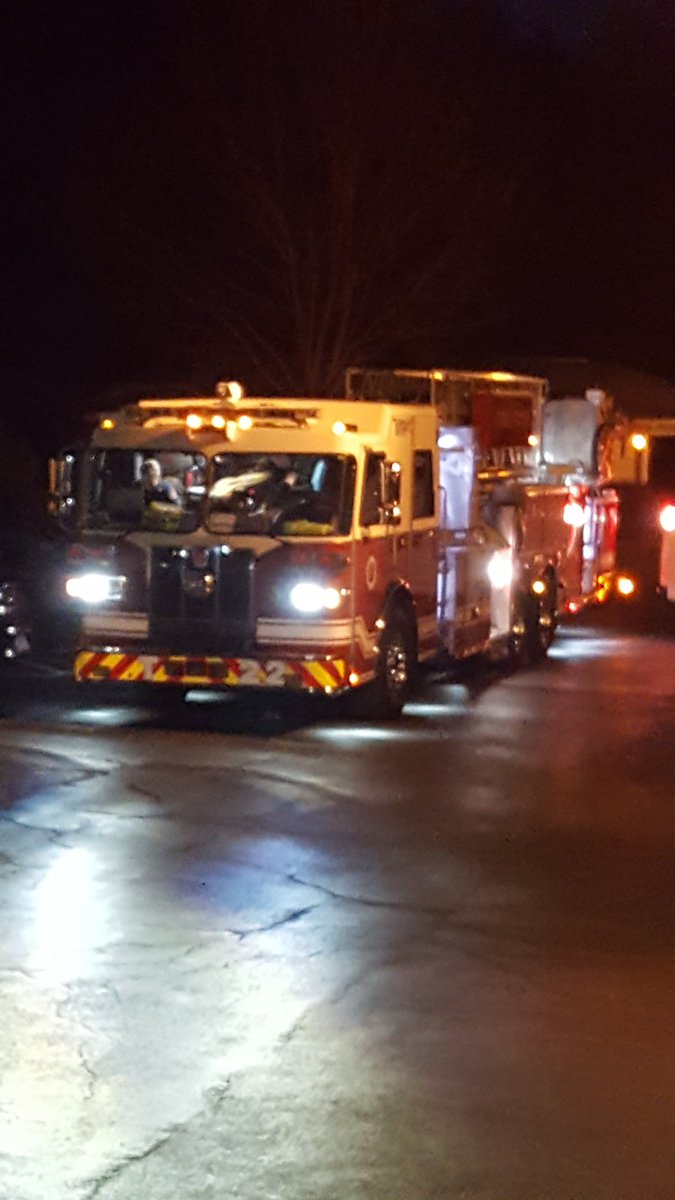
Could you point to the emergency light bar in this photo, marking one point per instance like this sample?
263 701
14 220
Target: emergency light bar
182 403
202 414
276 417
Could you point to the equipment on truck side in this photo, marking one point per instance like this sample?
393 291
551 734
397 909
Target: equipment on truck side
542 472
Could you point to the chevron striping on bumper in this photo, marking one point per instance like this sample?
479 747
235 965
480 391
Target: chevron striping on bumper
210 670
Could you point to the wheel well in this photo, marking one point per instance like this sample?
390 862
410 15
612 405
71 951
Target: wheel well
399 601
551 577
546 571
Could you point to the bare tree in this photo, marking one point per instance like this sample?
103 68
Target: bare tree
324 193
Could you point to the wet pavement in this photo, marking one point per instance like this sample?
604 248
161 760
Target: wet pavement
273 955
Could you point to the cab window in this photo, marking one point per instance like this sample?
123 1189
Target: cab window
372 501
423 484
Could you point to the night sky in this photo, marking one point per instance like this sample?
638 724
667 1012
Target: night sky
275 189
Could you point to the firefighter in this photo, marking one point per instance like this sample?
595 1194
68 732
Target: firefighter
155 489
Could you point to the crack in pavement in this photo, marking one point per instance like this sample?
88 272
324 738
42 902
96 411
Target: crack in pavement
317 785
334 999
54 836
524 939
214 1097
119 1168
147 793
425 910
54 759
242 934
91 1073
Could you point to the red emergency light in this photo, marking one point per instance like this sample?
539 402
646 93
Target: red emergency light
667 518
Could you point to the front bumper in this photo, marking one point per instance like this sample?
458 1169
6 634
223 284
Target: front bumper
324 675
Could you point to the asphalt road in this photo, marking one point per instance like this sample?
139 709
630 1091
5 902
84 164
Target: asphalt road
272 955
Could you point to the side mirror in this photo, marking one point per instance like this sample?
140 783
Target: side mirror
391 513
61 498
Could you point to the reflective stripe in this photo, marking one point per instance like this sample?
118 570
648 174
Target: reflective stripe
109 666
210 670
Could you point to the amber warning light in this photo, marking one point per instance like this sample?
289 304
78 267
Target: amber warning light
625 586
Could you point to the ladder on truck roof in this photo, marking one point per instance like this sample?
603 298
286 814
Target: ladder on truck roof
505 410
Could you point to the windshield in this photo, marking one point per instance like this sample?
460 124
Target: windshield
134 489
300 495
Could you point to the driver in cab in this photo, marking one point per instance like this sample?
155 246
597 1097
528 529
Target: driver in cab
155 489
162 506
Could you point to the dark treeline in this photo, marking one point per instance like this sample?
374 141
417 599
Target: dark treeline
275 190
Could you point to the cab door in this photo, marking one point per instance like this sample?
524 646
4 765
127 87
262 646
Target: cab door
423 547
376 551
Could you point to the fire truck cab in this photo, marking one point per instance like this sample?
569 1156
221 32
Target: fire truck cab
325 545
294 544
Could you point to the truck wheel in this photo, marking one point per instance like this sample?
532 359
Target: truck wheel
384 698
396 668
518 634
541 619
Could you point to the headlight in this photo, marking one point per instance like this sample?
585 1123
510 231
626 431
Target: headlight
667 518
500 569
95 588
310 597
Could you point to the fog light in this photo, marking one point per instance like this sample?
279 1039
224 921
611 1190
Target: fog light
310 597
625 586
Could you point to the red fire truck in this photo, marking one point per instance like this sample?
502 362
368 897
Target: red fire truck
543 478
643 465
318 544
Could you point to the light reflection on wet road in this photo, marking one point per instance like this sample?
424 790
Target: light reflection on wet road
252 953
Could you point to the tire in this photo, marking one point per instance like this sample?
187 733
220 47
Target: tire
396 668
518 636
385 698
541 619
